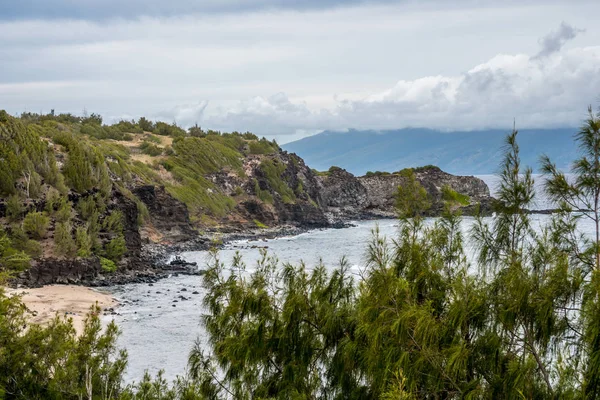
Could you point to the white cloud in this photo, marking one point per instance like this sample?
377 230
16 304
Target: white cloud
291 73
538 93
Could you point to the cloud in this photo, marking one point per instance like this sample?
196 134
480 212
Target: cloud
555 40
489 95
285 74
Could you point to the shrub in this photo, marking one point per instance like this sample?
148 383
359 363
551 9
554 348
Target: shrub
412 199
90 205
376 173
63 240
64 212
150 149
260 224
162 128
264 195
36 224
273 171
53 200
453 197
84 242
152 138
145 124
128 126
196 131
33 248
113 222
262 146
14 208
107 265
115 249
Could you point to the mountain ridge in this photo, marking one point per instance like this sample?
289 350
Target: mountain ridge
459 152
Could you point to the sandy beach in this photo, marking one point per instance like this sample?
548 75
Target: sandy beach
73 301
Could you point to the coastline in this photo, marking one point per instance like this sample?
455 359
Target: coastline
72 301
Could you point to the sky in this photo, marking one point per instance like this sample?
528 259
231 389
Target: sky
287 69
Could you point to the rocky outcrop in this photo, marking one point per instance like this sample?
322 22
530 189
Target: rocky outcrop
294 193
347 196
66 271
343 195
131 231
168 217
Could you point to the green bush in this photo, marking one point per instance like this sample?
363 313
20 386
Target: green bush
150 149
33 248
145 124
12 259
84 242
64 212
127 126
91 205
259 224
453 197
116 248
153 139
14 208
108 265
162 128
36 224
263 195
412 199
377 173
113 222
262 146
63 240
273 170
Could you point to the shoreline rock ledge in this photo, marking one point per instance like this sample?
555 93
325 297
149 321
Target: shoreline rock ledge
346 196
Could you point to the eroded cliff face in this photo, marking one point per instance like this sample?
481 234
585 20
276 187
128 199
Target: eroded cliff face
168 218
276 189
347 196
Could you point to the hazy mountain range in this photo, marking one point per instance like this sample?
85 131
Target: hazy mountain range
466 152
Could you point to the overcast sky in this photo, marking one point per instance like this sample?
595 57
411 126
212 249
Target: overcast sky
287 69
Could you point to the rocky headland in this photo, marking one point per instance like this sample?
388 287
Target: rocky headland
91 204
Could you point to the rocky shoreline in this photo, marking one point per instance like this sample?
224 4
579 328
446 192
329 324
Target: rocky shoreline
323 201
154 260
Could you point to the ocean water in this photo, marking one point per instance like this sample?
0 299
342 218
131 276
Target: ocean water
160 322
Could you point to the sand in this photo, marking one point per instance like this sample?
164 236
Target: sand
73 301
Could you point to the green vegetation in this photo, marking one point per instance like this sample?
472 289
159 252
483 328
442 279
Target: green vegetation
150 149
44 158
377 173
273 171
116 248
454 198
63 240
107 265
263 195
421 321
411 198
259 224
84 242
262 146
36 225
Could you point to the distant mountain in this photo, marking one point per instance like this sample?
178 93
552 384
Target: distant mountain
472 152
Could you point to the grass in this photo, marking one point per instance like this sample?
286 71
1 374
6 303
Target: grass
273 170
259 224
451 196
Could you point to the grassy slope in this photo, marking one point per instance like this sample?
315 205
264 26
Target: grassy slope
42 158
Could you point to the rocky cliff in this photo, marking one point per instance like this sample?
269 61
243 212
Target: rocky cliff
372 196
81 199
